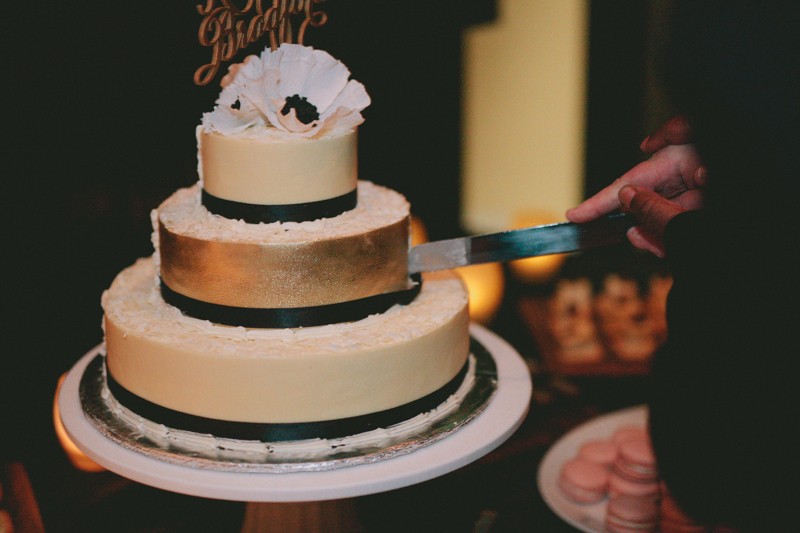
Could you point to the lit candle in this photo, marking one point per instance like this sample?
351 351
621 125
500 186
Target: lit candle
485 284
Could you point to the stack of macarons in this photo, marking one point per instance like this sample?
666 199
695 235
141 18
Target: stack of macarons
599 451
629 432
623 464
584 478
629 514
583 481
621 470
634 471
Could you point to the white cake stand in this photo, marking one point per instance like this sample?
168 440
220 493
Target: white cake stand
498 421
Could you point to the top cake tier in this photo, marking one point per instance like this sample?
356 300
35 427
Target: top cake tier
280 144
262 179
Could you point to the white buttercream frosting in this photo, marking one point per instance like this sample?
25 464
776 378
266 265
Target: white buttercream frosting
184 214
312 449
134 300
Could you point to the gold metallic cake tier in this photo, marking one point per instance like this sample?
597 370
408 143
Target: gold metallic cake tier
359 254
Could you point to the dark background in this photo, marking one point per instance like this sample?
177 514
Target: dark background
100 125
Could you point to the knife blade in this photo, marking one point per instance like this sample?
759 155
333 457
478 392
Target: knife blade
558 238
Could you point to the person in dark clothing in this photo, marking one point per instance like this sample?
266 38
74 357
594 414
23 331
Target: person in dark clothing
717 199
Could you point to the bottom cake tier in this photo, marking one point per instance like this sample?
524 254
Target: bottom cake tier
168 364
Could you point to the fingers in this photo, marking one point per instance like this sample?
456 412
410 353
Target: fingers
676 130
600 204
641 241
652 212
700 176
690 201
674 171
671 171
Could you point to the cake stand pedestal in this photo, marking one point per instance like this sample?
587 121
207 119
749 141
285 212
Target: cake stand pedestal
495 424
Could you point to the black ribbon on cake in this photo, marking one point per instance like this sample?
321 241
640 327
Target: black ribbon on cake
255 213
291 317
277 432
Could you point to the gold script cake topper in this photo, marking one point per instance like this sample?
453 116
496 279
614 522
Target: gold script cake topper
226 29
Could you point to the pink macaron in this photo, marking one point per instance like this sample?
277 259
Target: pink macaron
600 451
629 432
636 461
622 486
631 515
583 481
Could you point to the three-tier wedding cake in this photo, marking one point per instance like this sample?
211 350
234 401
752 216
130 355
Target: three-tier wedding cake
278 304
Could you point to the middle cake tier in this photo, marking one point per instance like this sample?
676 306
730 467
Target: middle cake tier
285 274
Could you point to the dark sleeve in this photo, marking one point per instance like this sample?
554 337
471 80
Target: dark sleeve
725 396
723 385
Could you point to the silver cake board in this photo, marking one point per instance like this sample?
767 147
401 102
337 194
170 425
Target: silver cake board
496 422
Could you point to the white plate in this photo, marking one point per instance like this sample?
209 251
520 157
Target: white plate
588 518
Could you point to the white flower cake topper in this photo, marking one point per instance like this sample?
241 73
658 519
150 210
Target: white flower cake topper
294 90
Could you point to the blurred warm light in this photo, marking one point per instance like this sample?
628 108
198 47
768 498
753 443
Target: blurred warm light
536 269
418 232
78 459
485 284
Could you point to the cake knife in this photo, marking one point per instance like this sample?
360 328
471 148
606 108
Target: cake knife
558 238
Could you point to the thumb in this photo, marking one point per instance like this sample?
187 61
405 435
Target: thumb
651 210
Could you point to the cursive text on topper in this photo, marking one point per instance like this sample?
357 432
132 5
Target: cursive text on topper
226 28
